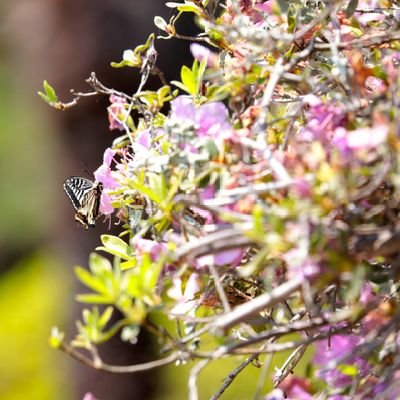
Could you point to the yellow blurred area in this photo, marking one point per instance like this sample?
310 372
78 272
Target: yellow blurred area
31 301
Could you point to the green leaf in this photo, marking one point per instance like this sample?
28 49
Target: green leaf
98 264
202 70
151 273
94 299
258 223
116 246
91 281
44 97
291 20
145 190
351 8
180 85
134 286
50 92
186 8
158 185
188 80
105 317
128 264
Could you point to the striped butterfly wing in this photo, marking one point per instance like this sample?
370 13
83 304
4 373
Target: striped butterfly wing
85 197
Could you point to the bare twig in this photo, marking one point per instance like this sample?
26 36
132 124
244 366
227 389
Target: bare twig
247 310
230 378
119 369
289 364
219 241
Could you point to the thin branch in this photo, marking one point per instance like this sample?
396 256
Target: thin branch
194 373
119 369
213 243
247 310
220 289
366 41
289 364
230 378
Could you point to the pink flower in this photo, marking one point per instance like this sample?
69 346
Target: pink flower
89 396
337 347
144 139
367 295
108 156
302 188
265 6
297 388
360 139
323 119
151 247
300 264
230 257
104 175
105 204
212 120
375 85
117 112
182 108
200 53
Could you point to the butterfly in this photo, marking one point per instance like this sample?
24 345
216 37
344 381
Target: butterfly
85 197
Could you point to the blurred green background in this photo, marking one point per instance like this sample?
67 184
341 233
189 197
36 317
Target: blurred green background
63 41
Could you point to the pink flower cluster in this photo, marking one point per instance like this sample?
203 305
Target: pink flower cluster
210 120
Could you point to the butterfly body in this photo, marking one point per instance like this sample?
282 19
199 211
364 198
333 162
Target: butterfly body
85 197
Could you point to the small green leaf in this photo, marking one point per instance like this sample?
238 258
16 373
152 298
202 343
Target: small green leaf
145 190
116 246
44 97
128 264
105 317
189 80
98 264
186 8
160 23
180 85
291 20
349 370
90 281
56 338
94 299
50 92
